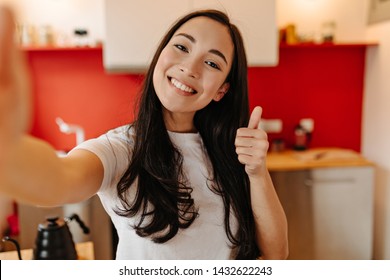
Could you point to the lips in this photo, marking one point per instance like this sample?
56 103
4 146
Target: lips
182 86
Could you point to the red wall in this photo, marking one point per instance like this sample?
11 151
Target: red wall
323 83
73 85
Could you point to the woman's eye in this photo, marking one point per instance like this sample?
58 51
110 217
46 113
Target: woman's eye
181 47
212 64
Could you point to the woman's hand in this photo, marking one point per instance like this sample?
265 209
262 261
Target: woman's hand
30 170
252 145
270 220
14 86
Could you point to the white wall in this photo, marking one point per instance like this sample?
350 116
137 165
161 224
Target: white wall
308 16
63 15
376 130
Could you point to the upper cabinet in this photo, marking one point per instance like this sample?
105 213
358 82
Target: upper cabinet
134 29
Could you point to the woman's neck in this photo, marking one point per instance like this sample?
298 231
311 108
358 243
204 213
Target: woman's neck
179 122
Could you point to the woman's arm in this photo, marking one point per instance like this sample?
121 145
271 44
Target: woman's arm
270 219
271 223
34 174
30 170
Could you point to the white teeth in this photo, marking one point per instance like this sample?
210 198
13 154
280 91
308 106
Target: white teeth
179 85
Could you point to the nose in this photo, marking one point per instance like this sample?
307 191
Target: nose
191 68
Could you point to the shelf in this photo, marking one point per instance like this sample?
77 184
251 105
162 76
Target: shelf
328 45
55 49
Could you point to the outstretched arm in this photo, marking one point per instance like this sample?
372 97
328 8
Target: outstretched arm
271 224
30 170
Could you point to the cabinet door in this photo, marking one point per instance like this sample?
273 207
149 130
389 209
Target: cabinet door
329 212
256 20
343 212
297 204
134 28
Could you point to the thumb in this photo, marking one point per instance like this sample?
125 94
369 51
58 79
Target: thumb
254 121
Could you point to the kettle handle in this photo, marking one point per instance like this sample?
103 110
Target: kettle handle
7 238
80 222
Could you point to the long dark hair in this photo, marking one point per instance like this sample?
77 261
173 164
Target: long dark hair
162 198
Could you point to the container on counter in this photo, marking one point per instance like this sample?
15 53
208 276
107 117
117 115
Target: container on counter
301 138
81 37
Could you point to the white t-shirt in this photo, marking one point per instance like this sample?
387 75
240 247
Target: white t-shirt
204 239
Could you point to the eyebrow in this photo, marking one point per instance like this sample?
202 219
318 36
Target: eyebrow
213 51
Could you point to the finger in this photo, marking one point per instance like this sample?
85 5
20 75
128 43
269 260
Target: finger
6 42
259 153
245 132
255 118
249 161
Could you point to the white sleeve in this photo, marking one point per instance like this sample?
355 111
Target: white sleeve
114 150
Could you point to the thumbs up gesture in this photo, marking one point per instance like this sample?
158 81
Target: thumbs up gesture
252 145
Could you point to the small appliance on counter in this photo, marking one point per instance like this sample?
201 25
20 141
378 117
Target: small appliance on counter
54 240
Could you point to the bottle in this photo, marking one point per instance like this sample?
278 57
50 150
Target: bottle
328 31
301 138
27 35
45 35
277 145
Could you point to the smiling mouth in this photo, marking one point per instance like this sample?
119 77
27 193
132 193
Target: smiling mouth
181 86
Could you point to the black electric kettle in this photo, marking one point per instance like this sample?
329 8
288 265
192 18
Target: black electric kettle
54 240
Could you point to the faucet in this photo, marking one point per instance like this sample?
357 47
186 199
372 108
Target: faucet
82 208
71 128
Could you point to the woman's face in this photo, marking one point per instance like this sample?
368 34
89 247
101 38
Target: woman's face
192 68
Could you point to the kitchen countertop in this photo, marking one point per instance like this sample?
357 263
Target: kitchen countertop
291 160
84 251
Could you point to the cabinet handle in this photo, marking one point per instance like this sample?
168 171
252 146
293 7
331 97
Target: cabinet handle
311 182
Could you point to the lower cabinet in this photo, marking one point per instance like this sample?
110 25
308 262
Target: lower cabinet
329 212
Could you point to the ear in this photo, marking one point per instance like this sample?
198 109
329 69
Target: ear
221 92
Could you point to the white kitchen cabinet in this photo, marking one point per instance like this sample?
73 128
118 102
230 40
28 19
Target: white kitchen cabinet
134 28
329 211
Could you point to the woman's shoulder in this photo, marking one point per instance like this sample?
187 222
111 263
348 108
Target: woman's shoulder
123 133
117 139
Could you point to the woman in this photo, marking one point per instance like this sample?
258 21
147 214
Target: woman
187 179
